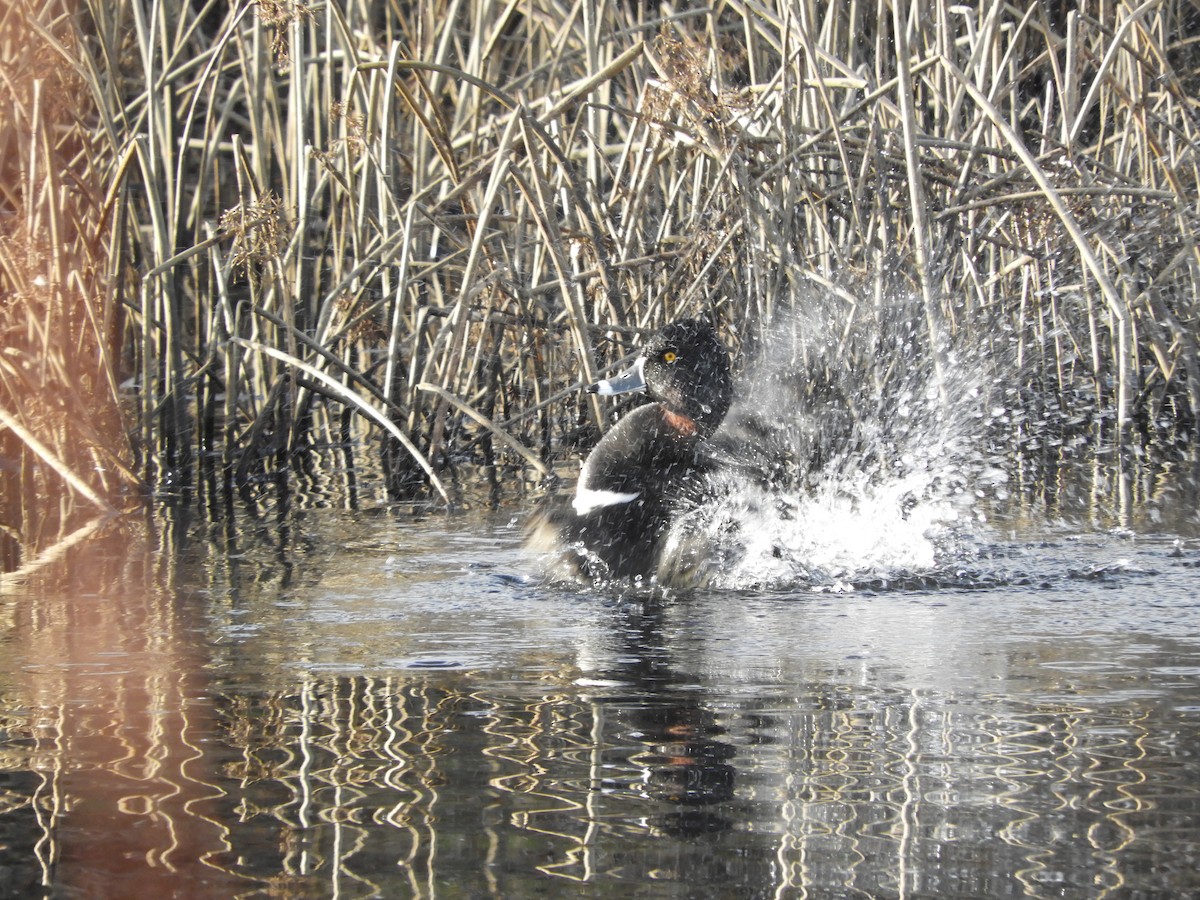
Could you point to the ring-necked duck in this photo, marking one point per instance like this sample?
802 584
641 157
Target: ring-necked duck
650 466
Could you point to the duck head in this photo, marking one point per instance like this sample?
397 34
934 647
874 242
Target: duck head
684 367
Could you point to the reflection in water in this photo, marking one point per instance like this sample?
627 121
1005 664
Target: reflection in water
360 706
364 784
684 761
103 697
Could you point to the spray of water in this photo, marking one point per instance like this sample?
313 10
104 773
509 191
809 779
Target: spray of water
849 460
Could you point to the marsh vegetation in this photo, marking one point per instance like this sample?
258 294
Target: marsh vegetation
235 235
262 251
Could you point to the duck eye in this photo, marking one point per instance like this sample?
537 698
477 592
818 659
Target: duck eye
668 356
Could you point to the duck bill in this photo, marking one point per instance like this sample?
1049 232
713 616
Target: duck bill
630 381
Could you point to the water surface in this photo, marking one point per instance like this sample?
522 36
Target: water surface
359 704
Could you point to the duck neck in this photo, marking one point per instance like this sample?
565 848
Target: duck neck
641 450
680 423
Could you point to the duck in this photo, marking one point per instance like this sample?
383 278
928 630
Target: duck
649 468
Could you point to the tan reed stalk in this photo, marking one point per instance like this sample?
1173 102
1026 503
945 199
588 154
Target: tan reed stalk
66 449
493 199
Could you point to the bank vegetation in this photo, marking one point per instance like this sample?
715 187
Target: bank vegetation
233 236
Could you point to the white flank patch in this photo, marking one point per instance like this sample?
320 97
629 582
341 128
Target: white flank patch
587 499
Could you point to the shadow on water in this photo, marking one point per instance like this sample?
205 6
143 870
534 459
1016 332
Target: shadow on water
366 704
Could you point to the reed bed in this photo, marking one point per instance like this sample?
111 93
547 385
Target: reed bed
64 453
421 227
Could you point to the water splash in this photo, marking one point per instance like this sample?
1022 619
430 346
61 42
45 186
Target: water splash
848 462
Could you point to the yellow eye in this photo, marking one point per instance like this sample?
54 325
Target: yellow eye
668 356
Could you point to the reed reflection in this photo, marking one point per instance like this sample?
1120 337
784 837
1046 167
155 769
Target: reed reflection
224 721
109 671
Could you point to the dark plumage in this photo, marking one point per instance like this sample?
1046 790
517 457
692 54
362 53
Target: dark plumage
651 465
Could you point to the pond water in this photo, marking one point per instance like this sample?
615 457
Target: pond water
375 704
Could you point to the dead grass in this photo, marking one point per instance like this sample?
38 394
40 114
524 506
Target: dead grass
62 435
458 212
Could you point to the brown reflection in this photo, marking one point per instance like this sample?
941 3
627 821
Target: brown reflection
111 672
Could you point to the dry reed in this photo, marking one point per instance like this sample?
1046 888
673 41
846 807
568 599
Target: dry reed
64 452
446 216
